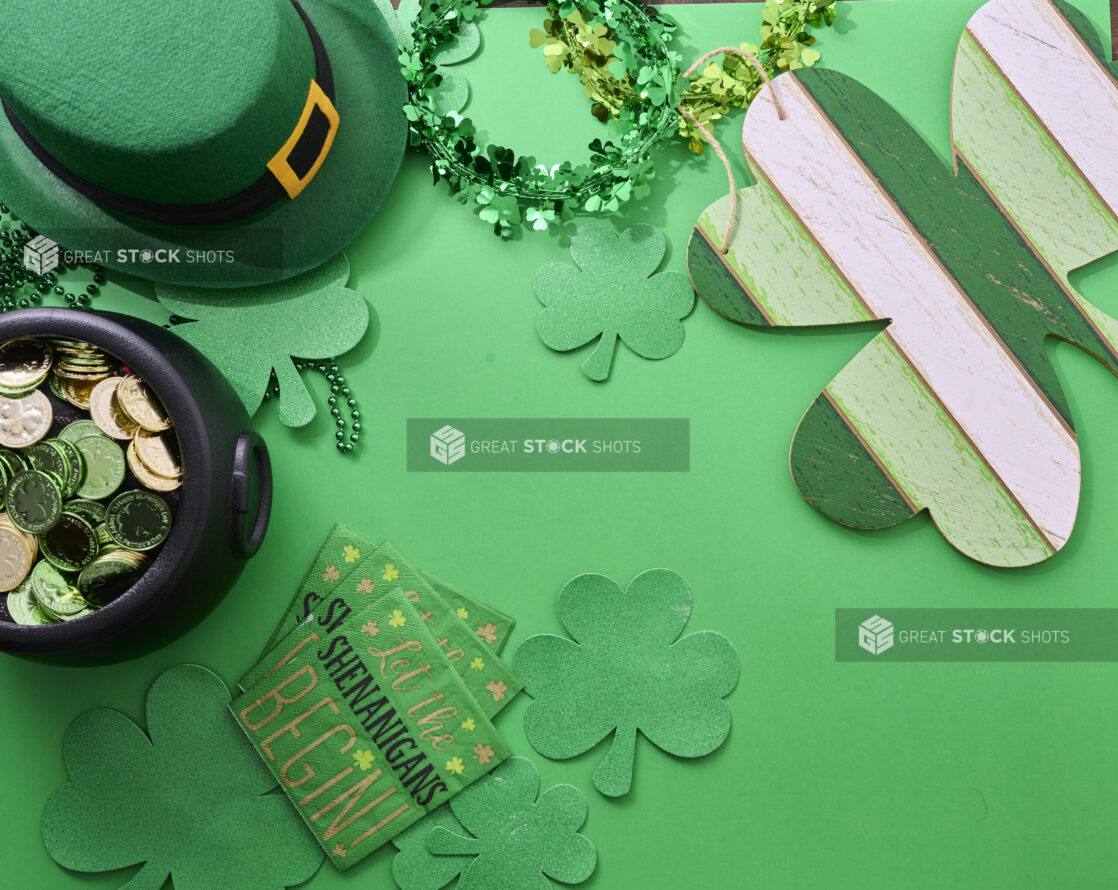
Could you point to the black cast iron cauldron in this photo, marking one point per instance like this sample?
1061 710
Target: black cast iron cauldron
223 506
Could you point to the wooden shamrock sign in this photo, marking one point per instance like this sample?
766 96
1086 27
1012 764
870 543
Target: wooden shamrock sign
251 332
954 408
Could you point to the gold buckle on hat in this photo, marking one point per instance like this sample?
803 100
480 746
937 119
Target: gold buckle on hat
280 165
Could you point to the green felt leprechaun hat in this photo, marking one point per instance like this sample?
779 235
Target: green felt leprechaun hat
200 142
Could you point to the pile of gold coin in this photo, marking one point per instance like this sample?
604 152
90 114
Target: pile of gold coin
80 363
124 408
82 514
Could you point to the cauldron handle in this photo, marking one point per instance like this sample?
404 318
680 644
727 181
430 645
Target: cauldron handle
250 459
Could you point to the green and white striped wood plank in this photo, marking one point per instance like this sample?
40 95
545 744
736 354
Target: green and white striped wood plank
1069 89
800 287
899 419
955 408
1055 179
1036 184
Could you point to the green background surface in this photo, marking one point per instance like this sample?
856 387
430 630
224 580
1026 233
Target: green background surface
834 775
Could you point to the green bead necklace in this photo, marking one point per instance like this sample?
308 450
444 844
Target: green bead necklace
21 288
339 390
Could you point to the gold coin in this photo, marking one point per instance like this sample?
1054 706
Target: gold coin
77 392
24 421
77 349
146 477
31 541
74 357
106 413
140 404
15 558
155 454
24 362
85 375
5 519
85 368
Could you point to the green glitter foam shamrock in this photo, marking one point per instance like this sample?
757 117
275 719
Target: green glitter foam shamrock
400 18
613 293
249 332
453 91
626 670
498 836
191 801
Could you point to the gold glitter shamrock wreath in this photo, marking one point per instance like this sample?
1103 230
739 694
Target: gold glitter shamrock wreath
585 45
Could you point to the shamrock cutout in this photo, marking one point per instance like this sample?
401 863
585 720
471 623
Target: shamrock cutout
251 332
454 89
400 20
955 407
179 801
613 293
626 669
497 836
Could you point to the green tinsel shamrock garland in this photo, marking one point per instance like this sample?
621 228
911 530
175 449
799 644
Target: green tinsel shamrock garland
508 190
